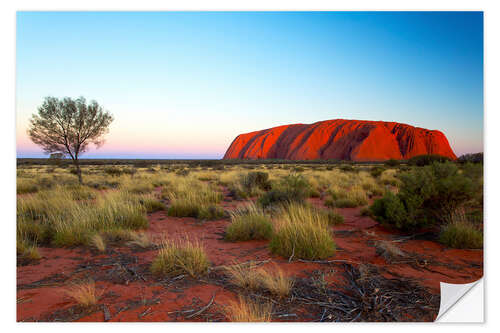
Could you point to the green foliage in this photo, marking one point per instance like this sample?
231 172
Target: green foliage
376 171
427 195
390 210
347 168
392 163
471 158
423 160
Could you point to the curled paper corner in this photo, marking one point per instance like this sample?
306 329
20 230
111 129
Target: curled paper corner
461 302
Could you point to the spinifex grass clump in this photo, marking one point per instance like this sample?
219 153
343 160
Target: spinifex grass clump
26 251
151 203
460 233
192 198
346 198
180 257
85 294
54 216
25 185
249 311
291 188
302 232
249 223
250 277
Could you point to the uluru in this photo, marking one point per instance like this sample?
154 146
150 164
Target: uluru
341 139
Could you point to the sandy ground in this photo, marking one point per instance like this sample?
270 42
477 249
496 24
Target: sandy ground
130 293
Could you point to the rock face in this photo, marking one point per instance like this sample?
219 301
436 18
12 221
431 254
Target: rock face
355 140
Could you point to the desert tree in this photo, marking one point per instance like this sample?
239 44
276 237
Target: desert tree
68 126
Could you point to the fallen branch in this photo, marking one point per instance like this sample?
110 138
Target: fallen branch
329 261
105 310
202 309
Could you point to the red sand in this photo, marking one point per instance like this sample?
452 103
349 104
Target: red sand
41 286
355 140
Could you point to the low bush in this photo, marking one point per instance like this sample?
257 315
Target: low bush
427 195
423 160
392 162
471 158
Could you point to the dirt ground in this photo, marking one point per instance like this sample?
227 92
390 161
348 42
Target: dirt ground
128 291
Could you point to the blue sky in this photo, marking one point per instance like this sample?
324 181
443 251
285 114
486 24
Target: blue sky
184 84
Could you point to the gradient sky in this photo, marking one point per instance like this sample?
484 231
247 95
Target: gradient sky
184 84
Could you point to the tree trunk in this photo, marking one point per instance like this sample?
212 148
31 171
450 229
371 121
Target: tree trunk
78 172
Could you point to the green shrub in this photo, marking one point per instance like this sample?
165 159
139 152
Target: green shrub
471 158
390 211
427 195
255 179
376 171
423 160
347 168
392 163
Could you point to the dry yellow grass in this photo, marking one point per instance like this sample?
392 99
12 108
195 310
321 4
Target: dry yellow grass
275 281
85 294
244 276
252 278
389 251
142 240
98 242
248 311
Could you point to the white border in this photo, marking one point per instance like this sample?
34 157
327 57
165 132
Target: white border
492 107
